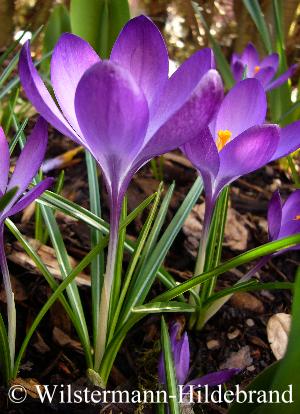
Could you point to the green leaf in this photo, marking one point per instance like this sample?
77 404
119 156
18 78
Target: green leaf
255 12
243 258
99 22
170 372
53 200
14 141
55 295
138 292
161 307
215 241
5 352
222 62
58 23
133 262
97 265
280 98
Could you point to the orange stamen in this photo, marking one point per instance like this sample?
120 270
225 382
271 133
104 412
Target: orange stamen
297 217
223 137
256 69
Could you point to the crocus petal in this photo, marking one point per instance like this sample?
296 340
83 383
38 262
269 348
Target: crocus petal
39 96
71 57
179 88
265 75
237 69
291 208
189 120
4 161
282 79
141 50
244 106
114 129
29 197
214 378
234 58
293 227
250 58
274 216
30 158
270 60
182 358
203 154
289 140
248 152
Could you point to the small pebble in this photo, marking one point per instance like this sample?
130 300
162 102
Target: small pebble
213 344
250 322
234 334
251 368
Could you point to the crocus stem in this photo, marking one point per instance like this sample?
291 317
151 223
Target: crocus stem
200 261
107 287
11 309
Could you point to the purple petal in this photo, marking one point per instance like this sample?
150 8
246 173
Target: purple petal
234 58
189 120
203 154
291 208
237 69
71 57
30 158
282 79
39 96
4 154
112 113
30 196
271 60
180 87
246 153
290 228
289 140
265 75
214 378
182 358
274 216
244 106
250 58
141 50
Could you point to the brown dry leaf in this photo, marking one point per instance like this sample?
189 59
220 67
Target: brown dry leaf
29 384
47 254
278 329
20 293
236 232
246 301
63 340
240 359
40 345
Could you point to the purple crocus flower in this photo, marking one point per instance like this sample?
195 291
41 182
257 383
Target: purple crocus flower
249 64
26 168
284 219
124 110
181 356
235 143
